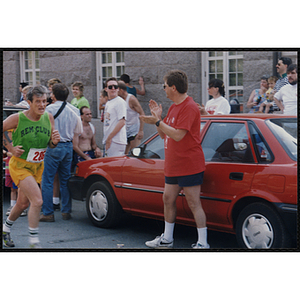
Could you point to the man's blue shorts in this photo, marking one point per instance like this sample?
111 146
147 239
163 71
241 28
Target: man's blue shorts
185 181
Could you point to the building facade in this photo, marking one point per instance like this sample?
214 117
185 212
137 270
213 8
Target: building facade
240 70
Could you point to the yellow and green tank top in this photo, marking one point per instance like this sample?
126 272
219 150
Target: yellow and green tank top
33 136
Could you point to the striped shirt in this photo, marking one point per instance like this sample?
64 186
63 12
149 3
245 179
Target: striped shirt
282 81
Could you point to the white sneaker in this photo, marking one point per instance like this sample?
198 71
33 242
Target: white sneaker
24 213
9 210
200 246
159 243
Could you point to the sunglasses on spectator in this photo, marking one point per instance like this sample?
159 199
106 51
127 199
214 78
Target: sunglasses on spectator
113 85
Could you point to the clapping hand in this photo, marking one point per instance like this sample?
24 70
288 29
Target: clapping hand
156 112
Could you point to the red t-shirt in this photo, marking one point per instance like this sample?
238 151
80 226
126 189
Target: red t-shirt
186 156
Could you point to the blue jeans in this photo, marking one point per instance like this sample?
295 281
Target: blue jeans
59 160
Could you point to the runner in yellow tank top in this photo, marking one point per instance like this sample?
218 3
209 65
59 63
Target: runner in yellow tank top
32 132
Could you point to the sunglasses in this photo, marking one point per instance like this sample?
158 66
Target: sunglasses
110 87
164 86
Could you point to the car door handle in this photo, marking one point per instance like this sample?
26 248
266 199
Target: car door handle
236 176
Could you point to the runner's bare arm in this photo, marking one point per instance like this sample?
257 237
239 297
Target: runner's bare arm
11 123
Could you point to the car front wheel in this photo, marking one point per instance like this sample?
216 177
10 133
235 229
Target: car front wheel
260 227
102 206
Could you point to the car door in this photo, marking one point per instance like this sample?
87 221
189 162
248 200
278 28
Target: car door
230 167
143 179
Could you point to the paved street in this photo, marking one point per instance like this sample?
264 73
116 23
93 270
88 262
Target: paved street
79 233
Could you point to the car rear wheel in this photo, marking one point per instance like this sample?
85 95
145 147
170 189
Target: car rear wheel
260 227
102 206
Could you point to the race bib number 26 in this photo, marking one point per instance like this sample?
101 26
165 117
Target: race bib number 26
36 155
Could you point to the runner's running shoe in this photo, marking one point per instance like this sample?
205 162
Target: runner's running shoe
8 242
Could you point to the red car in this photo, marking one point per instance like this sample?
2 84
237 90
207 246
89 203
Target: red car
249 188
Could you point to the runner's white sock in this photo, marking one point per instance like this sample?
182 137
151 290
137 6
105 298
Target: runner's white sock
7 225
169 229
13 202
202 236
33 235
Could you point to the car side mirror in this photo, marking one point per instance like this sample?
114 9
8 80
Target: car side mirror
240 146
136 152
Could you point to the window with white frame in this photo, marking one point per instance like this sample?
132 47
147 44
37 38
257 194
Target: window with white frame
227 66
112 65
109 64
30 67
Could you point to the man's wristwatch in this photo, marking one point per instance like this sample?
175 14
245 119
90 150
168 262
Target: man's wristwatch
157 123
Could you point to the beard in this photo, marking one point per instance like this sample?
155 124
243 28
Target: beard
294 82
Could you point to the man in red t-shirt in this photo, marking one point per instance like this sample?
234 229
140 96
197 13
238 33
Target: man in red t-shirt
184 158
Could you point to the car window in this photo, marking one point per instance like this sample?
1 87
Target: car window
154 149
227 142
286 132
262 150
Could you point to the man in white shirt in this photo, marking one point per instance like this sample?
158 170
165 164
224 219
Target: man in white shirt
288 93
114 129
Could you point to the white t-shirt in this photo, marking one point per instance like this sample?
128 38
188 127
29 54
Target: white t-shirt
218 106
288 95
115 110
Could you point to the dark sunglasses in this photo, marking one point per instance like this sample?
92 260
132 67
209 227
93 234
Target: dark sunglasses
113 85
164 86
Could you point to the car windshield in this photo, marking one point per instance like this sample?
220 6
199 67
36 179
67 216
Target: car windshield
285 130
